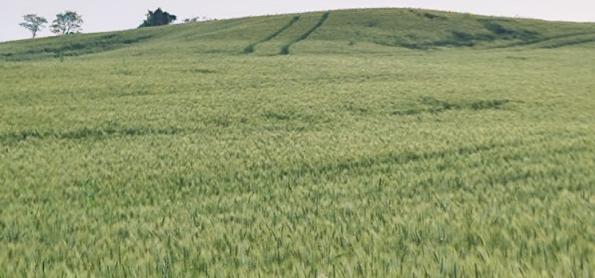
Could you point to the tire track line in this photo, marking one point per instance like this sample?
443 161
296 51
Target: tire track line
285 49
250 48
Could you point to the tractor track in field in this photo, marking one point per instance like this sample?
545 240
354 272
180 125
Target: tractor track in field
304 36
546 39
569 43
250 48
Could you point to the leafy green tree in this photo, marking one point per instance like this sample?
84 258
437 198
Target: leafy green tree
66 23
33 23
157 18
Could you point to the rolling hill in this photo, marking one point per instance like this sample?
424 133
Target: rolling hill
357 143
344 31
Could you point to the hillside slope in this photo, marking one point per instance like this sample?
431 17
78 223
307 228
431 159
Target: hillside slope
372 30
362 143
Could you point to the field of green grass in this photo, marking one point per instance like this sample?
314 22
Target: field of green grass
374 143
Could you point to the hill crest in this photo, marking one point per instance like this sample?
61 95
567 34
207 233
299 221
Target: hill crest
338 31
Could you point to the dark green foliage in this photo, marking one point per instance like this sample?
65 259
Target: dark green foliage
457 39
462 36
429 15
202 71
102 132
285 49
508 33
436 105
158 18
433 105
465 39
372 23
569 42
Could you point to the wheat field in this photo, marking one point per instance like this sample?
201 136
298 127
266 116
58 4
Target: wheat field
374 143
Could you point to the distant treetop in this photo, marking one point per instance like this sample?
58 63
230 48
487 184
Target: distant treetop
67 23
158 18
33 23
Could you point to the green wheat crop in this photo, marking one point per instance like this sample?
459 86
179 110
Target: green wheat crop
373 149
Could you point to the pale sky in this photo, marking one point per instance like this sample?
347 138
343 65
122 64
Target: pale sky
110 15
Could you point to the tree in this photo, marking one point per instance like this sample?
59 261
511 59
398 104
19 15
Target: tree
157 18
67 23
33 23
